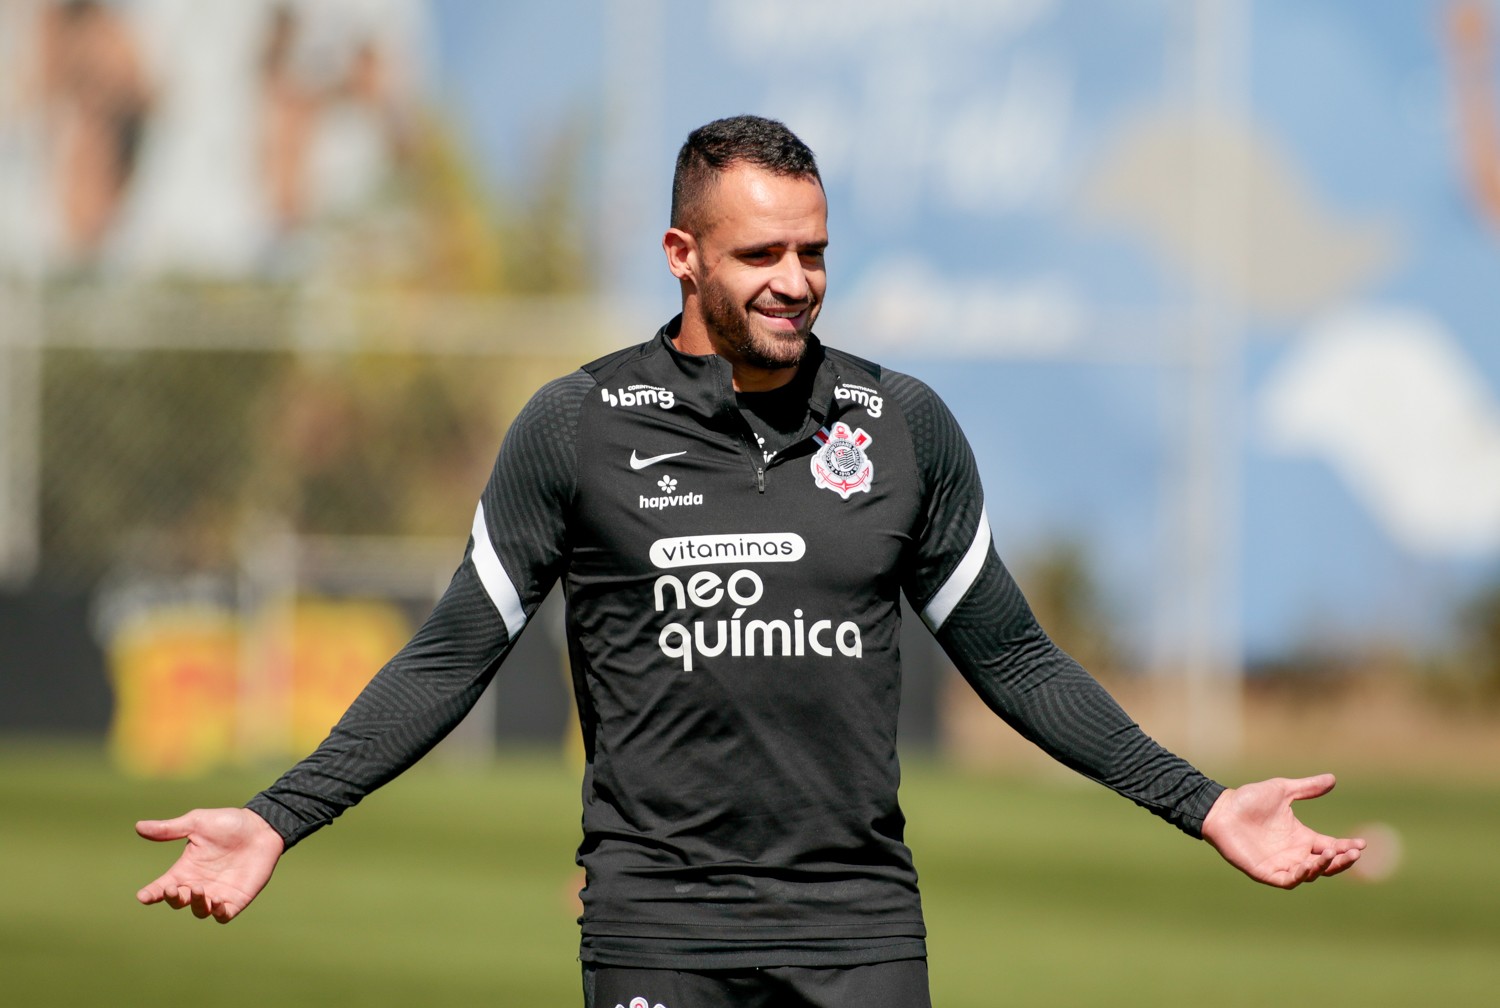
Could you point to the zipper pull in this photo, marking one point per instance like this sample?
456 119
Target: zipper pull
760 479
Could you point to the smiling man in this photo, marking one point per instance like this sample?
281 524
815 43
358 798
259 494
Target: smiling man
746 243
735 510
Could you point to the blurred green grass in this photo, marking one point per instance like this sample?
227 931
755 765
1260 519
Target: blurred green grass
452 887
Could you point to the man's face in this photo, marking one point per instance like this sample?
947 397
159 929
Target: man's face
759 275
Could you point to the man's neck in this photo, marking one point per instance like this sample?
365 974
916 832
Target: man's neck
748 379
695 340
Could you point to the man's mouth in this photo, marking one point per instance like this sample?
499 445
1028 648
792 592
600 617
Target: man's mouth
782 316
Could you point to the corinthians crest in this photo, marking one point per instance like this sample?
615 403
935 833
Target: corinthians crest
841 464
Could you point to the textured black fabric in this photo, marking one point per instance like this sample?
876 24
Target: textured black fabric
895 984
952 497
739 706
1047 697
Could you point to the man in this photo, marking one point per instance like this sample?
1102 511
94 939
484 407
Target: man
733 508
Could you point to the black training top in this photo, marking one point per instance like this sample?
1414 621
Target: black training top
732 625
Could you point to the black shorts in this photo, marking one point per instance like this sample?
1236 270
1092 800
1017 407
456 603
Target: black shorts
900 984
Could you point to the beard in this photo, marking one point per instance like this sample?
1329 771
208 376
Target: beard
730 326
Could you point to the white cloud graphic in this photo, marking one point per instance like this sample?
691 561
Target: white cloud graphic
1387 398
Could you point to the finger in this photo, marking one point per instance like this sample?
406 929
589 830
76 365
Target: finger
1312 868
1289 879
201 903
1305 872
165 829
225 912
171 888
1310 787
1318 843
154 892
1342 862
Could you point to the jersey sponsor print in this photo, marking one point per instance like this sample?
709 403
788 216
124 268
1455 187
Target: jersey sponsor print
640 395
705 591
870 399
669 497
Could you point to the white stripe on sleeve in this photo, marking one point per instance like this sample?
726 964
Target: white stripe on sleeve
962 578
496 584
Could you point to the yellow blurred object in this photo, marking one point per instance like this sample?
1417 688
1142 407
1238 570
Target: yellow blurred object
175 674
194 692
335 648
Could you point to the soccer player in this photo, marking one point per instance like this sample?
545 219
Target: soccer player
733 508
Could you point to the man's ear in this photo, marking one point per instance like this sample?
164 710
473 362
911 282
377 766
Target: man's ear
682 253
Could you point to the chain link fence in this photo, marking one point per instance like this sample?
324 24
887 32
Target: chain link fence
167 422
259 490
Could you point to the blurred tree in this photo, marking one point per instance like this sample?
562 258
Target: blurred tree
545 238
147 454
1479 634
440 227
204 412
1059 582
381 444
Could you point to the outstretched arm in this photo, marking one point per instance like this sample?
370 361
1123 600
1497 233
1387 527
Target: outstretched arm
973 606
514 555
228 860
1254 829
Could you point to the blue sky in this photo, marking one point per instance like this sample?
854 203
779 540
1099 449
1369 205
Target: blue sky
969 142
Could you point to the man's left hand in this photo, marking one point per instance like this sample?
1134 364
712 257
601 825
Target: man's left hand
1254 829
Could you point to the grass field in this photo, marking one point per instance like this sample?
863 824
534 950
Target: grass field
451 887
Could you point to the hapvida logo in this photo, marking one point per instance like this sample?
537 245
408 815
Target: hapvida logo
640 395
669 496
640 1002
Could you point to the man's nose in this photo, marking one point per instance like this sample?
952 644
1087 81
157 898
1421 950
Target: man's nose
790 279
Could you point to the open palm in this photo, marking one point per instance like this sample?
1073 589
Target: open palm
228 860
1254 829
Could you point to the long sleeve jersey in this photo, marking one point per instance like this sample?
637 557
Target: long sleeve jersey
732 622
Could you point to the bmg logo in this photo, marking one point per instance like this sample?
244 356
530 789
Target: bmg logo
866 397
640 395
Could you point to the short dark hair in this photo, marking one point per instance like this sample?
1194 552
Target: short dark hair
714 148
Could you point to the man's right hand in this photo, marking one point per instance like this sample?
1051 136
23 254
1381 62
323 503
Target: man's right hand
229 857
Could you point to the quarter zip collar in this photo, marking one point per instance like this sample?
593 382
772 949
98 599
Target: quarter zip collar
708 380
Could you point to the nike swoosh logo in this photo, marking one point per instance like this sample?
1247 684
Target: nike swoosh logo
641 463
